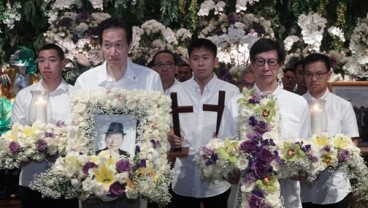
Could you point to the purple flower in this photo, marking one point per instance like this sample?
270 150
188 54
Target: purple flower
232 19
65 22
252 121
14 147
49 134
343 156
248 146
137 149
88 166
312 158
41 145
123 166
83 16
327 148
117 189
260 171
255 201
265 156
261 127
141 164
155 143
60 123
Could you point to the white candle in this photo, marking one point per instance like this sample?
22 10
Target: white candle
316 118
41 110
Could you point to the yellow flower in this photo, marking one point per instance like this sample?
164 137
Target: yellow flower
341 141
104 175
328 159
320 140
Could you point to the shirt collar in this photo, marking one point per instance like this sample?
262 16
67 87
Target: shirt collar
325 96
63 86
210 86
275 93
129 73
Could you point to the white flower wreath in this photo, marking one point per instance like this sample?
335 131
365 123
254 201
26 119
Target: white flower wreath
81 173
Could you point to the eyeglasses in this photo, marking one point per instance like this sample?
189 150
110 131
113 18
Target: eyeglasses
262 61
164 65
318 75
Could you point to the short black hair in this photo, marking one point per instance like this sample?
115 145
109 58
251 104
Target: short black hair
52 46
165 51
202 43
113 23
315 57
296 64
288 69
265 45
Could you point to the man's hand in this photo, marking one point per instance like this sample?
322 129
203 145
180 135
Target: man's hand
175 141
233 176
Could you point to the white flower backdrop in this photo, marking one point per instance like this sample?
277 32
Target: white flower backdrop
232 25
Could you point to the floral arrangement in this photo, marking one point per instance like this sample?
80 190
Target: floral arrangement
77 34
234 34
299 160
152 36
107 176
339 152
358 64
312 26
10 14
37 142
217 157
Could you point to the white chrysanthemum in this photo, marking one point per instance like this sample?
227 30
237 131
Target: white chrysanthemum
289 41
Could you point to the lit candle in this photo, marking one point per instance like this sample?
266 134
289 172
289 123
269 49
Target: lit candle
316 118
41 110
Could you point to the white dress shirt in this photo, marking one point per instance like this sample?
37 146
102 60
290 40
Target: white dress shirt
294 123
135 77
197 129
59 107
330 188
167 91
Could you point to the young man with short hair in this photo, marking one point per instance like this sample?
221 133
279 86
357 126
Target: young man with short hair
329 189
50 62
197 128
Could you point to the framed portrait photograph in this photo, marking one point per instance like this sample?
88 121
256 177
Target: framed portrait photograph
357 93
117 133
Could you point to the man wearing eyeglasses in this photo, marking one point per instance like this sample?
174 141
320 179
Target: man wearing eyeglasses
329 189
164 63
267 57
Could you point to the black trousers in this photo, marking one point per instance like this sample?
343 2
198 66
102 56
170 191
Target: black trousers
219 201
344 203
32 199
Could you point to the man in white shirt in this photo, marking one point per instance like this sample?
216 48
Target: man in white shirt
267 57
50 62
197 128
164 63
329 189
118 70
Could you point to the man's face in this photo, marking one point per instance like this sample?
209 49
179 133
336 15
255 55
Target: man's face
266 66
247 80
115 47
299 75
316 76
184 73
202 62
164 64
50 65
288 80
114 141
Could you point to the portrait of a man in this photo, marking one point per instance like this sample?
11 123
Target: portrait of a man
114 138
116 133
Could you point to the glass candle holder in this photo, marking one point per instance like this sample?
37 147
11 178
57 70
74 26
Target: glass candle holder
38 108
318 116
